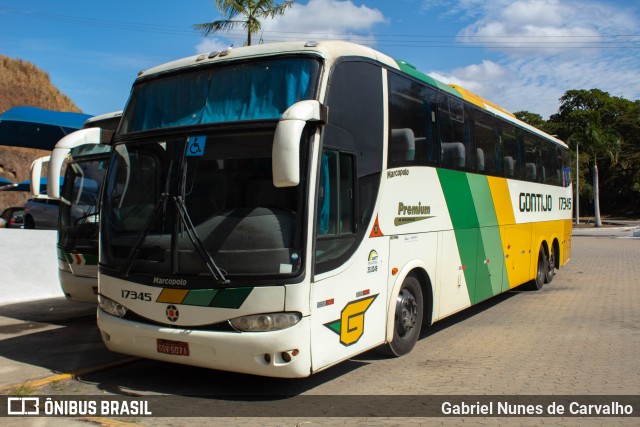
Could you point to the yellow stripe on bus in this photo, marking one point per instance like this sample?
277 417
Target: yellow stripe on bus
172 296
501 200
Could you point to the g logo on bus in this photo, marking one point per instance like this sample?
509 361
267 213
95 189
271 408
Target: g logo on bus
172 313
350 325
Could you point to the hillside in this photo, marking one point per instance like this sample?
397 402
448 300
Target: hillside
22 83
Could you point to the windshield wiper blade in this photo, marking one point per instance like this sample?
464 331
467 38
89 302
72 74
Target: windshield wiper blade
133 255
215 271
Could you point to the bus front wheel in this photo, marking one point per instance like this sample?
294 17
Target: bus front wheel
408 318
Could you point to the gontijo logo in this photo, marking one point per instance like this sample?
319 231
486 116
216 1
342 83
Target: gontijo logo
350 325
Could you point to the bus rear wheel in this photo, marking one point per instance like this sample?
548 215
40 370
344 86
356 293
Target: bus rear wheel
408 317
541 270
551 265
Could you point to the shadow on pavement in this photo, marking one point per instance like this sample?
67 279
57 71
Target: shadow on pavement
54 334
149 376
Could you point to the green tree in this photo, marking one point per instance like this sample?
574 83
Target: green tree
597 140
532 119
620 181
244 13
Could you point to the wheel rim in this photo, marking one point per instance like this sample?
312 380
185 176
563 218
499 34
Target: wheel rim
406 313
552 260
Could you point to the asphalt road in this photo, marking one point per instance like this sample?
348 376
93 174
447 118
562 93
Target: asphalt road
579 336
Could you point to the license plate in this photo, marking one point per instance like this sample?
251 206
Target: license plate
175 348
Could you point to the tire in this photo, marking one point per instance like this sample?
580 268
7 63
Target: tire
541 270
408 318
29 223
551 265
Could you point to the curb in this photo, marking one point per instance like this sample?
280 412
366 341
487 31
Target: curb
68 376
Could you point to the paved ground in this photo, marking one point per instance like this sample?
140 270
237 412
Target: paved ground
578 336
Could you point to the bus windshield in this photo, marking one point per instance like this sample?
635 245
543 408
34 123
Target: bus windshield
79 208
189 204
255 90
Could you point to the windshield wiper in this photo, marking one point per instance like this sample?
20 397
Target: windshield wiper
143 234
215 271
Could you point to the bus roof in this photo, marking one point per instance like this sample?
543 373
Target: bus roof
330 50
101 117
327 49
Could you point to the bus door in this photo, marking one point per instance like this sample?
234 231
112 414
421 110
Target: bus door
348 296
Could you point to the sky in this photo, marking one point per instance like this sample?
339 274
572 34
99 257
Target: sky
520 54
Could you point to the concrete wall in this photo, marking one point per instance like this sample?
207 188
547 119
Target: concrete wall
28 265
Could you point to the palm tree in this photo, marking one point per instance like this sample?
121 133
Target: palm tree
245 13
596 140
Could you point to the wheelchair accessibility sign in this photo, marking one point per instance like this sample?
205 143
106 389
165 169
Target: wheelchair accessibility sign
195 146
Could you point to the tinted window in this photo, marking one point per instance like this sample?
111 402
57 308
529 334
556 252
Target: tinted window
553 163
252 90
412 123
355 106
511 151
488 148
454 145
335 215
352 141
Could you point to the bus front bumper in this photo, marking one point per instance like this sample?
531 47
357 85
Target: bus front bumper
284 353
78 288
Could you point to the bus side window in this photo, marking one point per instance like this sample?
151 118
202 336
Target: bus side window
455 145
488 147
335 194
510 147
411 123
335 227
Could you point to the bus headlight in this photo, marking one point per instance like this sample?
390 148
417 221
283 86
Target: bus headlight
111 307
265 322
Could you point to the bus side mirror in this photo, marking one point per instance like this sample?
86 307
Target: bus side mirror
36 174
60 152
285 160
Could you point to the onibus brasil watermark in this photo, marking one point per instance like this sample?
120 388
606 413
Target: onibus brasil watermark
80 407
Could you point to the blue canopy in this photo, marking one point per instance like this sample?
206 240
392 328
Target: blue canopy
4 181
37 128
26 186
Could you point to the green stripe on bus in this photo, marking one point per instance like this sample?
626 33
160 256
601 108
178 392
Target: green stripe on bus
413 72
230 298
457 194
200 297
476 230
490 256
482 198
90 259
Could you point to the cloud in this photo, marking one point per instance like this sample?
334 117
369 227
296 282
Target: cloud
546 27
476 77
537 84
211 45
318 19
539 49
326 18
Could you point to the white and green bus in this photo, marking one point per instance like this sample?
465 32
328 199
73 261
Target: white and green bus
277 209
82 157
